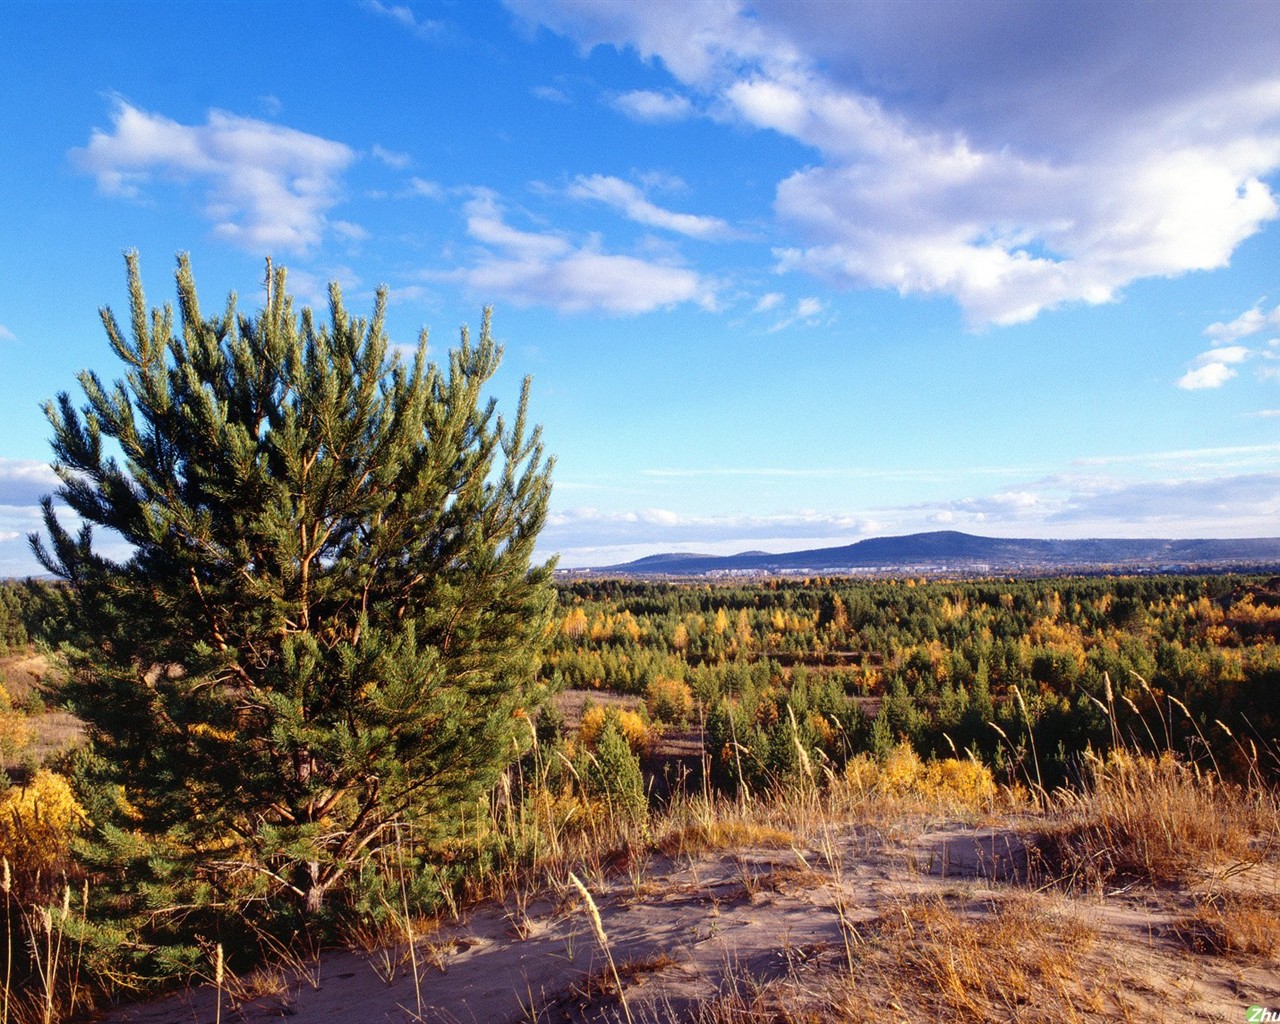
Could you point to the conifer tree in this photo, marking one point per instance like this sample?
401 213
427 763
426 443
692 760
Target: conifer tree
324 620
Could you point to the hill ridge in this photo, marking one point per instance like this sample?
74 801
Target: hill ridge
940 550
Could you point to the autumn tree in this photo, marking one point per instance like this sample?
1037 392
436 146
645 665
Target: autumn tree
316 618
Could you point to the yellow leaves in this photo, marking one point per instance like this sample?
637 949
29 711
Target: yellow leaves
15 733
38 822
630 724
1220 636
824 730
953 610
952 781
669 700
575 624
1246 610
680 638
602 627
1205 611
204 729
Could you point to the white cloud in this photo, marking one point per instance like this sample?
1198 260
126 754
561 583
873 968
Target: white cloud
1210 375
1213 460
654 107
25 481
1212 369
1014 162
268 187
1251 321
590 536
806 312
1220 506
632 202
425 188
545 268
550 93
1231 354
1195 499
394 160
769 301
403 15
6 334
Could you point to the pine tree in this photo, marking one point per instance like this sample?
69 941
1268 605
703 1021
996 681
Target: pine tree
325 620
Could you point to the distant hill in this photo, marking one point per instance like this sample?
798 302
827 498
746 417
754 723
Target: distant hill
951 551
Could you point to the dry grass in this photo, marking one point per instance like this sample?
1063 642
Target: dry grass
698 837
927 959
1235 925
1153 820
940 962
28 734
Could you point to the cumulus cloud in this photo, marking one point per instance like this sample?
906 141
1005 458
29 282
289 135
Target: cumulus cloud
25 481
267 187
1213 368
635 205
1014 159
548 268
1196 501
1219 505
1209 375
654 107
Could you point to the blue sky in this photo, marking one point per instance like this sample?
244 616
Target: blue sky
785 274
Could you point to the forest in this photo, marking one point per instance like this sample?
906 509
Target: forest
1022 675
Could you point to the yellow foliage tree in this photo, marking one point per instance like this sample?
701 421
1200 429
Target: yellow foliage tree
630 724
669 700
37 823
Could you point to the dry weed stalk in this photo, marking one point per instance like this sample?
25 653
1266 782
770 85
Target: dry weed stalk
598 926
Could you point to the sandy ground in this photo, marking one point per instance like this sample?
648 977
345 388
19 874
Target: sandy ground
684 931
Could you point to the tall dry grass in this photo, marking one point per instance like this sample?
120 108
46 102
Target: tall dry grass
1156 820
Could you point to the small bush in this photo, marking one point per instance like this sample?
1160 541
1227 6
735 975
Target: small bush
38 822
632 727
669 700
1234 925
951 781
613 774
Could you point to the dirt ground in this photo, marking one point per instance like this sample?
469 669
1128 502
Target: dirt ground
52 730
859 912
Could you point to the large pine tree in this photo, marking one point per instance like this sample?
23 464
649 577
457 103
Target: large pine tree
320 618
